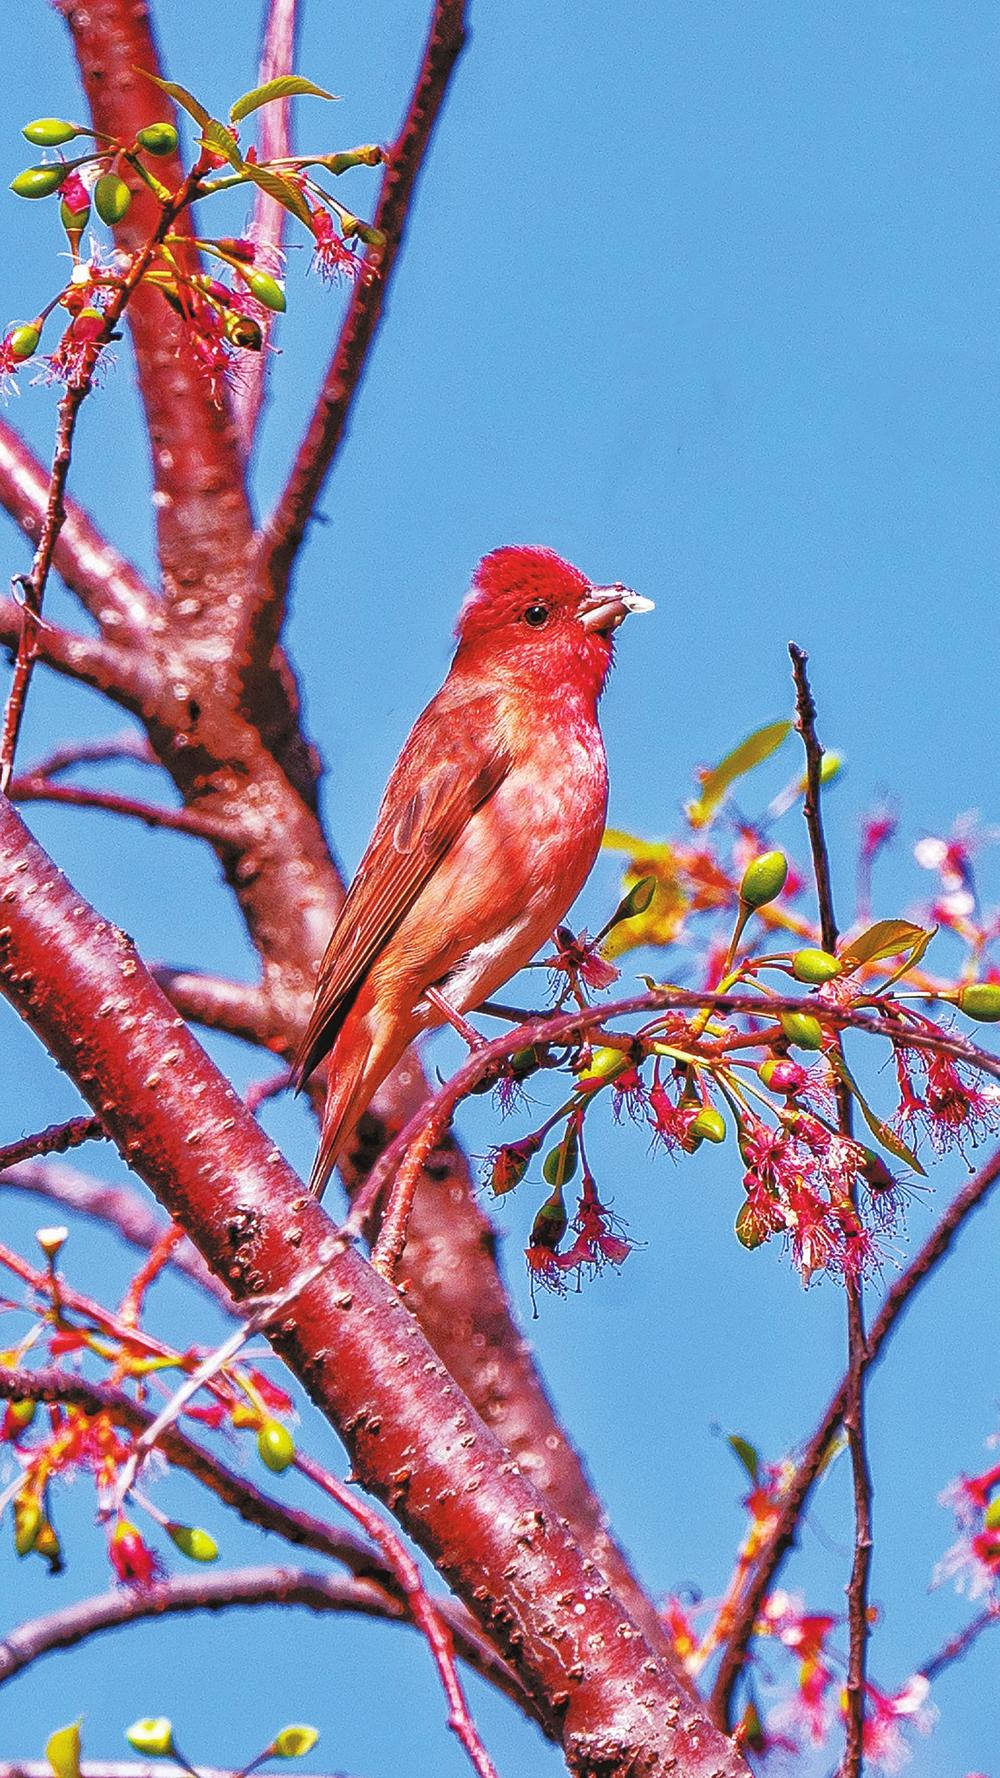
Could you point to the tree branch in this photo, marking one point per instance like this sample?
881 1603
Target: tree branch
413 1439
282 536
55 1140
798 1490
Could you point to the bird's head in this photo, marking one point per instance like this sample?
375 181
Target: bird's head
536 614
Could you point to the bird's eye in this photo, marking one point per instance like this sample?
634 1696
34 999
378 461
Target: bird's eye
536 616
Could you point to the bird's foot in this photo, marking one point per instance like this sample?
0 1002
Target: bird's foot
455 1019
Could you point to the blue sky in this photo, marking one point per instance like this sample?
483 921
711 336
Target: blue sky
706 299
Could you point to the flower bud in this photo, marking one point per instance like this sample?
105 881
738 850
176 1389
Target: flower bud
815 966
39 182
17 1418
560 1163
50 132
751 1231
551 1221
112 198
604 1064
295 1740
192 1542
802 1029
158 138
22 341
781 1075
51 1241
763 879
368 234
62 1750
243 331
638 900
511 1163
266 289
991 1521
151 1735
980 1000
874 1172
275 1446
709 1125
27 1522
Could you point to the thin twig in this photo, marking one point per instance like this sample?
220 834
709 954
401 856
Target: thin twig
30 787
277 57
284 531
56 1139
854 1412
423 1609
129 744
959 1645
72 400
796 1494
127 1768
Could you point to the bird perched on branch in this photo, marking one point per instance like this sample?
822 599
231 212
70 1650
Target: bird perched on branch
488 828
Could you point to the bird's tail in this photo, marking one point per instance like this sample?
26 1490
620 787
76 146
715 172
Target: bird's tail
348 1092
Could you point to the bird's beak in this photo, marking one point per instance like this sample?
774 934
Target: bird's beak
605 607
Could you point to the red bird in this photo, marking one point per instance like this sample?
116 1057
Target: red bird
487 831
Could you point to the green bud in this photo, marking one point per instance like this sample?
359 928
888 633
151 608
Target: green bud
243 331
194 1543
370 236
525 1062
551 1221
23 340
50 132
638 899
19 1415
992 1518
39 182
298 1738
158 138
47 1546
980 1000
266 289
709 1125
275 1446
560 1163
763 879
750 1230
112 198
27 1522
802 1029
62 1750
151 1735
604 1064
815 966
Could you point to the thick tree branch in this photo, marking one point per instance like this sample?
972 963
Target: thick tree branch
413 1437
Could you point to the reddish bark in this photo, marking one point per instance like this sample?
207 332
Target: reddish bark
414 1438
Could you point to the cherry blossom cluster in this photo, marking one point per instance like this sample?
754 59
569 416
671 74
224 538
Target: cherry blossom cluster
228 292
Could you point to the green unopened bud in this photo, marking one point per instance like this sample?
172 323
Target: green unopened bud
605 1063
62 1750
980 1000
158 138
275 1446
551 1221
369 235
47 1546
266 289
874 1172
802 1029
28 1518
22 341
815 966
194 1543
991 1520
152 1735
50 132
709 1125
763 879
19 1416
112 198
298 1738
560 1163
243 331
39 182
751 1231
526 1061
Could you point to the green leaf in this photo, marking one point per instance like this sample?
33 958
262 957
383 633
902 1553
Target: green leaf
181 97
282 190
215 135
287 86
882 1132
62 1750
887 938
716 782
747 1454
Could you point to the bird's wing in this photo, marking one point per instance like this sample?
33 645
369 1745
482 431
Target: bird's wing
427 803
